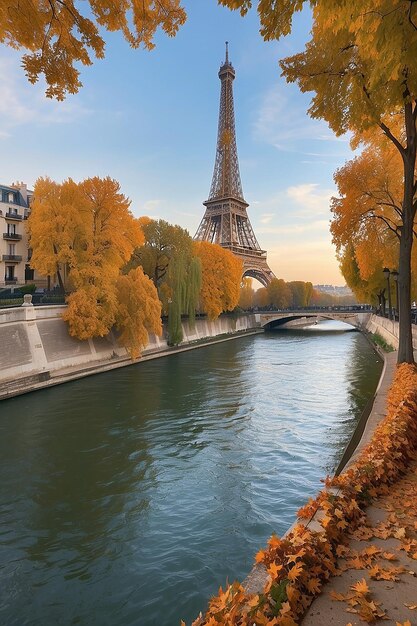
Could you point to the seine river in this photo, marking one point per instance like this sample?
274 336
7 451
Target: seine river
129 497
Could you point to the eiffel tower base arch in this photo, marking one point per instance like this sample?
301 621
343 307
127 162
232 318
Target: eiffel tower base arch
256 267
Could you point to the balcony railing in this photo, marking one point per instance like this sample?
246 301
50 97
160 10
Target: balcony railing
12 257
13 216
9 280
14 236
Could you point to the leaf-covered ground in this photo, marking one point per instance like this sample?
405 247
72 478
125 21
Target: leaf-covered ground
363 550
376 573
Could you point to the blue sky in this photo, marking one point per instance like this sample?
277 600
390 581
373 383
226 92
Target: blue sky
149 120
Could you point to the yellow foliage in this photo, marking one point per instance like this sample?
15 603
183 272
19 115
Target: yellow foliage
221 277
55 225
139 310
367 213
89 313
57 36
89 228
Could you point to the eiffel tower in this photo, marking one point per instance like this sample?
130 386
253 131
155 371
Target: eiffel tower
225 220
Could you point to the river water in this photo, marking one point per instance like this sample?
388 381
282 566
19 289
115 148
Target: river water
128 498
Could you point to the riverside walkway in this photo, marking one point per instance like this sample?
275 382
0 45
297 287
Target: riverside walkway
376 577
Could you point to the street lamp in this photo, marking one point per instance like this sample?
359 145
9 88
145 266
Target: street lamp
386 273
394 274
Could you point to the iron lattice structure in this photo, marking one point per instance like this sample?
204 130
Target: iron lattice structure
225 220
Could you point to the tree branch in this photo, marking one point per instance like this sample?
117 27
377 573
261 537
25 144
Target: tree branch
409 14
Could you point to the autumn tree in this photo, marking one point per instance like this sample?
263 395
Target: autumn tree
167 258
58 35
138 311
247 294
221 278
360 65
301 293
261 298
279 294
105 243
366 223
55 227
89 229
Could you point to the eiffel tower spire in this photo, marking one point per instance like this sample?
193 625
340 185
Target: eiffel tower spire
226 221
226 176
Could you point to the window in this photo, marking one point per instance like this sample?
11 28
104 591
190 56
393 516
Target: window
12 249
9 272
11 196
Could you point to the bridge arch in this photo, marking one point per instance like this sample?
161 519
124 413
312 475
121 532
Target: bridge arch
355 318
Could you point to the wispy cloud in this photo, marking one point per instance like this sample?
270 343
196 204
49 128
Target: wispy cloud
287 127
307 200
24 104
266 218
150 208
311 199
296 229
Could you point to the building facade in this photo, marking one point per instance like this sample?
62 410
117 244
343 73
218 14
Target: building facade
14 249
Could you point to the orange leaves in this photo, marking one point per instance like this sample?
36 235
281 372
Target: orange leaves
259 557
274 570
360 601
274 542
361 587
295 571
88 229
378 573
58 37
314 585
221 276
139 310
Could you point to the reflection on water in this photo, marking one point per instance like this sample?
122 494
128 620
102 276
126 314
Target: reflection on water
127 498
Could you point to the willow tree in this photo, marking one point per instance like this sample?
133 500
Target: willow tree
167 258
58 35
360 65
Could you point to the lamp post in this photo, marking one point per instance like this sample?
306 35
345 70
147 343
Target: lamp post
394 274
386 273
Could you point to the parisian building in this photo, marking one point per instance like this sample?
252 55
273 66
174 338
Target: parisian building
14 249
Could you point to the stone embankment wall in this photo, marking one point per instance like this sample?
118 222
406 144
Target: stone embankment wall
37 351
388 330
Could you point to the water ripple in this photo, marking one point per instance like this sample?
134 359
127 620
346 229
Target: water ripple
127 498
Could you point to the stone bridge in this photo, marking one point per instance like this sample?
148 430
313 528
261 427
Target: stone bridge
356 316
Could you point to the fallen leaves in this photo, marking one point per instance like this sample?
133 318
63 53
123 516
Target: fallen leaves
303 560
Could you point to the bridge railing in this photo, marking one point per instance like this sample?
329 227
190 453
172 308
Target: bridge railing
356 308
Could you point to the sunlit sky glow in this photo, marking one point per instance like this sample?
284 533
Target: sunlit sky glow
149 119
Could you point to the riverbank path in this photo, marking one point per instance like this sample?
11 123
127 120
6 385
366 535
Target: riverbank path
376 578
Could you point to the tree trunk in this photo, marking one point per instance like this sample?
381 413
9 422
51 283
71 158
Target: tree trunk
405 348
61 284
